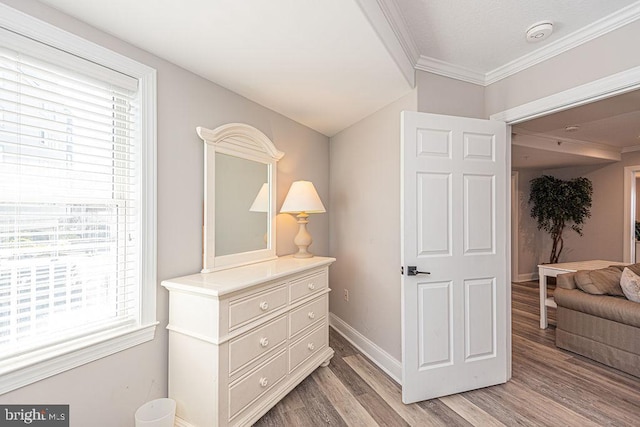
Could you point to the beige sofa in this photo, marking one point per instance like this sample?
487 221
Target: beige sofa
600 325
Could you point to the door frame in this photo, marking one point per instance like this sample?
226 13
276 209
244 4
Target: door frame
515 220
606 87
629 247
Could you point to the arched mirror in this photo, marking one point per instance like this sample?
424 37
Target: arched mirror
239 196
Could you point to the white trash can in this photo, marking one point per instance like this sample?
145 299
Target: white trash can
156 413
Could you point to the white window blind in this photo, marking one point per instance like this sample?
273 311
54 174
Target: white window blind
70 250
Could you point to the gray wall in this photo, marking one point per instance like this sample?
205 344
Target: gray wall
604 231
365 225
107 392
442 95
529 238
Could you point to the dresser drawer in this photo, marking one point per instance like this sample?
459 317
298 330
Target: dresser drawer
247 309
308 345
255 343
308 285
257 383
307 315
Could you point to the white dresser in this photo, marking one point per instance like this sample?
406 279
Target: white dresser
241 339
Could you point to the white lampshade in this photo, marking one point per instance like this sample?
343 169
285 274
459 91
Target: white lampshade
302 197
261 203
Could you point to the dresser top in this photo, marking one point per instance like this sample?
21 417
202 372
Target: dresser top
235 279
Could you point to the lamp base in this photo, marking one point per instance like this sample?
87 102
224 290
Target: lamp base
301 254
303 238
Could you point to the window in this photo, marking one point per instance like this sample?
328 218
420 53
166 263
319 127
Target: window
77 202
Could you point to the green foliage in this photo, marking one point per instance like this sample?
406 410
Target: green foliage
556 204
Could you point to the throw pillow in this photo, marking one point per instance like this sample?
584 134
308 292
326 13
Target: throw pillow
604 281
630 283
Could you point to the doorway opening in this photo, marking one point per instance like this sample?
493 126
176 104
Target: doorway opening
573 100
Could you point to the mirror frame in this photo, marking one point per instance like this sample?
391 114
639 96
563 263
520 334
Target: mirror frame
245 142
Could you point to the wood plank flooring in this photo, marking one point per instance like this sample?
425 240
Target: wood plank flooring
549 387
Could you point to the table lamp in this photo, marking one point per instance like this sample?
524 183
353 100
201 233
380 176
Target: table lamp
302 199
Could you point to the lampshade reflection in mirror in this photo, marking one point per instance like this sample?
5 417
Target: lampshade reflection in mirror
302 199
261 202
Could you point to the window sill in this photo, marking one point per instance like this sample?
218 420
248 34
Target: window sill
24 370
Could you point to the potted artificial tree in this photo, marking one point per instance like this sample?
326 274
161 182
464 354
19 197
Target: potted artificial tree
557 204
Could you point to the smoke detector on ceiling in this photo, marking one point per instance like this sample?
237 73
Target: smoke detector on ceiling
539 31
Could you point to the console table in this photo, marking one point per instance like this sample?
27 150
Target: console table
553 270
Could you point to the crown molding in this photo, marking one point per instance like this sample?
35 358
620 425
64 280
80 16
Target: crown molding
447 69
596 29
386 21
401 30
630 149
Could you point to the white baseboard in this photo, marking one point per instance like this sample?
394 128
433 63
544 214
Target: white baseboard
381 358
179 422
527 277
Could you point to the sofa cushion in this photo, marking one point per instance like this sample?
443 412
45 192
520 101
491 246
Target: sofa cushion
566 280
604 281
612 308
630 284
633 267
614 334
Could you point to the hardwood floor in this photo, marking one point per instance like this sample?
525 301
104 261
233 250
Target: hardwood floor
549 387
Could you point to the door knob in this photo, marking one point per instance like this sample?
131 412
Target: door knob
412 270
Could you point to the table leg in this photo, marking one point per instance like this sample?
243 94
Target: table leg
543 299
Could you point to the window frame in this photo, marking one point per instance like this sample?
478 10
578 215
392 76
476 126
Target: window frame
40 364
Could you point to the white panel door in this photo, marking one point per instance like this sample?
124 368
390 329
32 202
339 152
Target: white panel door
455 320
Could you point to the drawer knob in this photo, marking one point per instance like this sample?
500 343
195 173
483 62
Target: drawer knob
264 306
311 286
264 341
264 381
311 347
311 315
